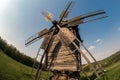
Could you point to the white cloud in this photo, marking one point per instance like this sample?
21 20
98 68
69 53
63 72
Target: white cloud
98 41
83 50
118 28
91 48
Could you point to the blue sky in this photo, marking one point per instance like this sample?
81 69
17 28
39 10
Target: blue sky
19 19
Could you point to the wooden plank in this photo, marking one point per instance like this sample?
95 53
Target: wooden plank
64 68
59 66
53 44
43 32
45 42
75 21
66 36
69 59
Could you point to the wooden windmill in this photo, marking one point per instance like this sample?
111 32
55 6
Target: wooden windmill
61 45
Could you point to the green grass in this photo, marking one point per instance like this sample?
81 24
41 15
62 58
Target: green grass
112 67
13 70
110 64
112 72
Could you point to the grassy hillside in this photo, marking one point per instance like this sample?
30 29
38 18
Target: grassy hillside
112 72
13 70
112 67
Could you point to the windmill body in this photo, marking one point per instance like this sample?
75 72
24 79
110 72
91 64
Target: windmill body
61 57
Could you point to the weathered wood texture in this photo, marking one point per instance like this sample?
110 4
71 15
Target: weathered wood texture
61 57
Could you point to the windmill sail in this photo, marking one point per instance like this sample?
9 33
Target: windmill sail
36 37
66 11
45 42
47 15
96 15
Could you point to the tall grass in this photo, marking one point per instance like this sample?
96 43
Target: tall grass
13 70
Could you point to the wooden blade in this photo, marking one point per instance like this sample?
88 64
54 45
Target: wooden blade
47 15
85 18
94 13
36 37
45 42
66 11
90 20
66 14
